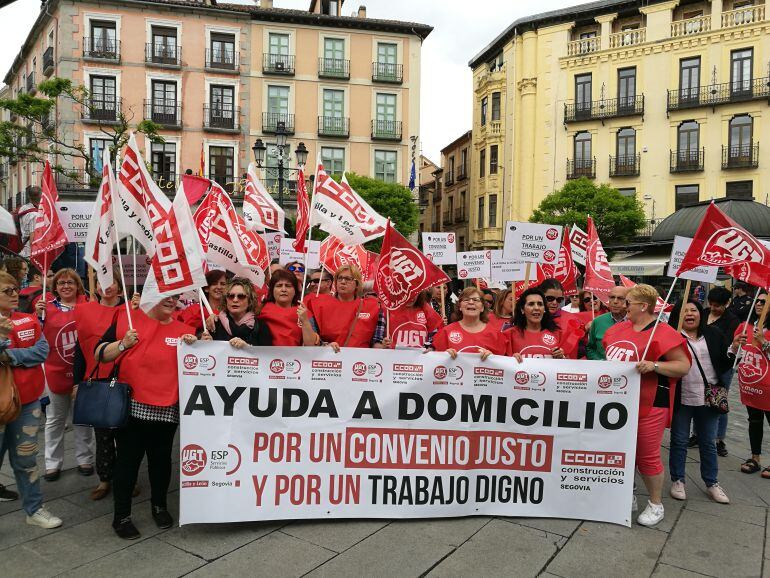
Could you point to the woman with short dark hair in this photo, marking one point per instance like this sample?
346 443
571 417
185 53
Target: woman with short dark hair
284 315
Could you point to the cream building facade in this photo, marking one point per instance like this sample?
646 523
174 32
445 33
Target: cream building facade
664 100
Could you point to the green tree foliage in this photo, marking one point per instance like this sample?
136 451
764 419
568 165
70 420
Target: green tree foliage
617 218
33 134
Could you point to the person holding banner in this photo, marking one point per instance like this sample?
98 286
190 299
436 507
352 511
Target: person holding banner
149 364
708 347
572 326
534 333
349 319
237 320
59 330
502 313
666 360
471 333
297 269
216 280
283 314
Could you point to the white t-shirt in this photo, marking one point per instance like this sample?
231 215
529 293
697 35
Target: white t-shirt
693 388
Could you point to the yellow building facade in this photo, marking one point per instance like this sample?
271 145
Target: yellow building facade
663 100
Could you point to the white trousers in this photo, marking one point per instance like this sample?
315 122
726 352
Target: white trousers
56 420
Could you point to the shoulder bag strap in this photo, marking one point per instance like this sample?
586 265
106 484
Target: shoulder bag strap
355 320
700 367
116 365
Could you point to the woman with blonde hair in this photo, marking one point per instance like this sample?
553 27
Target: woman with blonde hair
660 364
237 320
502 312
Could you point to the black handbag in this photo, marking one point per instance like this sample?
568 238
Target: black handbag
715 394
102 403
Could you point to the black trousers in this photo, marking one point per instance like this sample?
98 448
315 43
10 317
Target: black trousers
105 453
140 437
756 428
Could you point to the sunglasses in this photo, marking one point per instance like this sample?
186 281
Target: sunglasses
314 281
588 299
11 291
296 268
551 299
760 301
236 296
345 279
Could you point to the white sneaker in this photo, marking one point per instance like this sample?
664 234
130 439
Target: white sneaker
717 494
44 519
677 490
652 514
634 504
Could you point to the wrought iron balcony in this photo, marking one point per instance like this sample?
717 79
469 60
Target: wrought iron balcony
625 165
101 49
449 178
687 160
334 126
48 63
716 94
462 173
447 218
77 179
221 118
271 120
278 64
601 109
222 60
460 215
740 156
581 168
386 72
31 85
333 68
163 55
164 112
101 110
386 130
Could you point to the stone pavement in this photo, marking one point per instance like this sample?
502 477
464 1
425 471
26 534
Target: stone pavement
697 537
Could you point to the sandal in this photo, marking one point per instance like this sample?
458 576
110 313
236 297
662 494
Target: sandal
750 466
766 473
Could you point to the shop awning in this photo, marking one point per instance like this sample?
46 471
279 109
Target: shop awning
640 265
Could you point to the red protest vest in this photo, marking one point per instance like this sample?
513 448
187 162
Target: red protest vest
754 372
30 381
453 336
150 366
91 321
334 319
59 330
410 326
622 343
498 322
282 323
536 344
192 316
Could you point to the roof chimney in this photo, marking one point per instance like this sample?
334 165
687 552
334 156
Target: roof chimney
362 11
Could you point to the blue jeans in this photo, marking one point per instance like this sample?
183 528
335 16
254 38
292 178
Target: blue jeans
727 377
19 439
705 420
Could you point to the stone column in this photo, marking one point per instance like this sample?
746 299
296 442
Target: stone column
606 21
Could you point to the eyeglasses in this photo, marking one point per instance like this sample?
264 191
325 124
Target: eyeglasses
295 268
551 299
236 296
471 300
10 291
345 279
588 299
65 283
628 303
760 301
314 281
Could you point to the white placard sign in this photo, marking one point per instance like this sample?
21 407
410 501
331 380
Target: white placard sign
142 269
288 254
440 248
273 241
703 274
532 242
474 264
75 217
578 240
506 269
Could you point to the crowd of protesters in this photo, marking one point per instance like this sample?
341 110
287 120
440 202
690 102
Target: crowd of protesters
78 336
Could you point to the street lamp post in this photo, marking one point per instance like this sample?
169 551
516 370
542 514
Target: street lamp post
260 150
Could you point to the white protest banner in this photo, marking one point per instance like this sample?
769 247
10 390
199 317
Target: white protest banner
474 264
506 269
75 217
440 248
678 250
290 433
273 242
532 242
578 239
288 254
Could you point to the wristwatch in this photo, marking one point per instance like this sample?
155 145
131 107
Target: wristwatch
121 347
655 366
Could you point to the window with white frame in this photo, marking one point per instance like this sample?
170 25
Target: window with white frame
333 160
385 165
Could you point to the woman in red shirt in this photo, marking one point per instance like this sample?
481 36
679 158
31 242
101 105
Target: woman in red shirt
666 361
471 333
502 312
215 280
414 325
534 332
283 314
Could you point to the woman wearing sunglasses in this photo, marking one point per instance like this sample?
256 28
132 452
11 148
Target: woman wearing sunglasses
590 306
471 333
237 320
534 332
297 269
570 324
284 316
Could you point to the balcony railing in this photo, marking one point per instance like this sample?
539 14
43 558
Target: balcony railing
687 160
601 109
164 112
336 126
77 179
101 49
625 165
222 60
271 120
690 26
221 118
462 173
581 168
386 72
459 215
628 38
31 85
48 61
101 110
163 55
333 68
716 94
447 217
278 64
449 179
741 16
386 130
649 228
584 46
740 156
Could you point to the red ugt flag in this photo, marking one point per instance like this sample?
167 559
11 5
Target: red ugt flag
48 237
403 271
598 277
564 271
303 214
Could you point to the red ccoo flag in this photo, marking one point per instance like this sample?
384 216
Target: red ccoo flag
48 237
303 213
403 272
598 278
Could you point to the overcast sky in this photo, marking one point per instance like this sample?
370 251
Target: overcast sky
461 29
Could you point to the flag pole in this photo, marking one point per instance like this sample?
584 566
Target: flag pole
91 282
593 311
304 276
443 305
203 315
133 250
45 277
687 288
746 325
120 259
657 320
527 272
